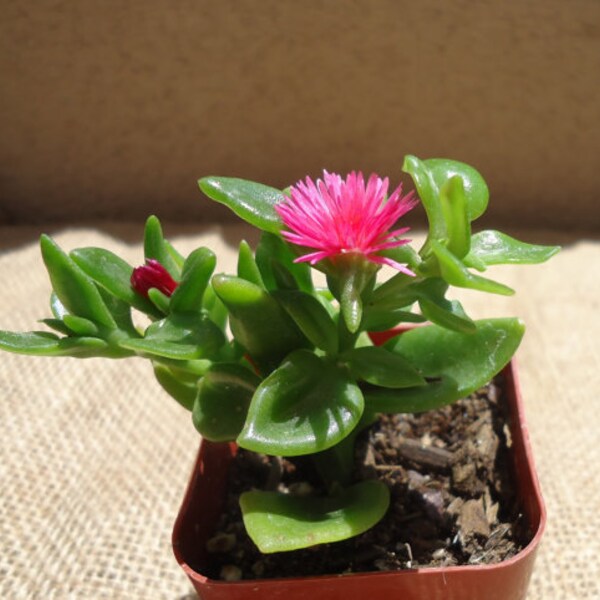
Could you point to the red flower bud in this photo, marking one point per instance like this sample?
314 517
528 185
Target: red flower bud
152 275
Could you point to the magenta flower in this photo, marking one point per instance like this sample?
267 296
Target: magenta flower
152 275
338 217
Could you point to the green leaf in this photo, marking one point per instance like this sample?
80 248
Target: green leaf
284 280
455 364
215 309
161 301
155 246
153 347
272 249
397 291
178 259
75 290
429 193
454 208
179 336
281 522
257 321
41 343
222 402
439 310
307 405
113 274
430 176
496 248
383 368
384 319
311 317
405 254
455 273
253 202
182 391
197 270
80 326
476 190
57 307
447 313
246 267
58 325
121 312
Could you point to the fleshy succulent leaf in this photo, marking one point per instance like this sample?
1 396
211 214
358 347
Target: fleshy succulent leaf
454 209
221 406
184 392
252 202
272 248
383 368
38 343
197 270
311 317
457 274
279 522
439 310
155 247
307 405
75 290
455 364
113 274
186 336
258 322
492 247
246 266
475 189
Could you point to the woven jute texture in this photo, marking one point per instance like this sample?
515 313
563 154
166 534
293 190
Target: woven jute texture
95 457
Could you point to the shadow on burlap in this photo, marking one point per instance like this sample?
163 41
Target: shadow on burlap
95 457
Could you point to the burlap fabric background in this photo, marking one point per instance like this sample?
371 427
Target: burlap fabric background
95 457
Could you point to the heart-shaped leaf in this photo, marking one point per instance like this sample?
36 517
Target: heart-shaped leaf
307 405
279 522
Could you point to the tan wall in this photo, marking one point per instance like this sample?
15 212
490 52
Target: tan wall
112 109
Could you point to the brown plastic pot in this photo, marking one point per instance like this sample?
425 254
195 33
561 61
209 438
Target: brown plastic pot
507 580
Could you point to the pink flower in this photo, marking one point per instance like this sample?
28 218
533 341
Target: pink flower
337 217
152 275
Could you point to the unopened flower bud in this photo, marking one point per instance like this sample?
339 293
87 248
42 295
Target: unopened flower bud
152 275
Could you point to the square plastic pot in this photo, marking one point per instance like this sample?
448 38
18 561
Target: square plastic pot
507 580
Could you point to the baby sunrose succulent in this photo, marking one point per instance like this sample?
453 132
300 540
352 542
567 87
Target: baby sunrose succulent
319 380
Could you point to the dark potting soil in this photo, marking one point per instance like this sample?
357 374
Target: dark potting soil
452 497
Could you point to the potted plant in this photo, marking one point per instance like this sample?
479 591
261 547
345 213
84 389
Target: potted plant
300 387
